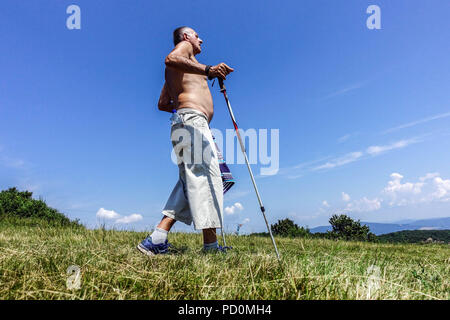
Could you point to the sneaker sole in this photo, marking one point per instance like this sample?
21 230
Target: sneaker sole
144 251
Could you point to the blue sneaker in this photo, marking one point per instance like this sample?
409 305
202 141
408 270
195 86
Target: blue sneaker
218 249
149 248
224 249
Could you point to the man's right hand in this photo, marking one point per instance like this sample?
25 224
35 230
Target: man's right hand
220 71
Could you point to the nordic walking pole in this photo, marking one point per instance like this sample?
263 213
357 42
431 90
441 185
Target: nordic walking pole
221 231
224 91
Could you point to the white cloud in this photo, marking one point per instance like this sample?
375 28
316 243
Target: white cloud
402 193
308 163
239 206
375 150
429 176
233 209
344 90
343 138
414 123
300 170
13 163
112 215
107 214
345 197
442 191
295 176
371 151
129 219
364 205
349 157
430 187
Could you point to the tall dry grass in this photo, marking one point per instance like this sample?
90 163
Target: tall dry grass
34 260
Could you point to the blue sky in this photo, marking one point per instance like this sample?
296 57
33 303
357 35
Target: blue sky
363 115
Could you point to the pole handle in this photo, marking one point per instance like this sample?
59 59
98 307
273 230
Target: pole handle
221 84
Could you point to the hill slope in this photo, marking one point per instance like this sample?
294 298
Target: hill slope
20 207
382 228
416 236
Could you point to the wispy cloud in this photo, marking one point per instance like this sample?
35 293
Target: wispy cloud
292 172
344 90
330 162
375 150
295 176
346 137
11 162
343 138
305 164
371 151
414 123
340 161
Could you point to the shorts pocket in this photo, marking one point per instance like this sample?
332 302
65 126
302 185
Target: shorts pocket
199 122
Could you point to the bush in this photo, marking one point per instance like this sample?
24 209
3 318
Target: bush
287 228
16 204
346 228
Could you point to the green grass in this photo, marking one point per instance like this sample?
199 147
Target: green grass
34 259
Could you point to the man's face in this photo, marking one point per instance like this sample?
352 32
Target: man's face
192 37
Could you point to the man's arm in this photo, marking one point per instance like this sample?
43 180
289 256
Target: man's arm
165 103
180 58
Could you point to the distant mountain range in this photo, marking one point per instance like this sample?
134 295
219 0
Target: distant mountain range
382 228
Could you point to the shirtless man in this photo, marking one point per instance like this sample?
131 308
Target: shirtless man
198 195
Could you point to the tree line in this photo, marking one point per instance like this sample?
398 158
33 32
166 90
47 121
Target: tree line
343 228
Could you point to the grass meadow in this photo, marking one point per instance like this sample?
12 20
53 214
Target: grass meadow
34 259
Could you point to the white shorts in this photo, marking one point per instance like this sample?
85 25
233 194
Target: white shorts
198 195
